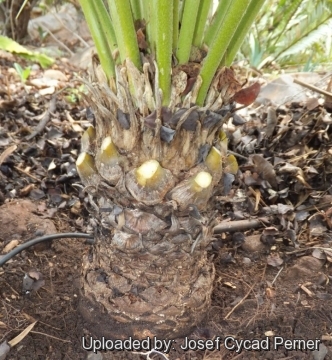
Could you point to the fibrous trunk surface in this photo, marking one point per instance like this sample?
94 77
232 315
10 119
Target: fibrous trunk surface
150 172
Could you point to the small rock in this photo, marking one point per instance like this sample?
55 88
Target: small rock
55 75
253 244
11 245
321 353
306 267
35 67
83 58
93 356
4 350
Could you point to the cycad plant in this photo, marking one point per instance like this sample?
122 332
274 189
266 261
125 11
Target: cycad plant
290 33
155 157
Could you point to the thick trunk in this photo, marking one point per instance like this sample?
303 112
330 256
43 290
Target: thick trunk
147 293
150 173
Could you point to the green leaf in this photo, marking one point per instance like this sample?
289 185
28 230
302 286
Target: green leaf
242 31
187 30
125 31
164 36
12 46
172 27
285 28
284 13
18 68
217 20
23 73
306 32
92 11
176 14
219 45
136 9
205 9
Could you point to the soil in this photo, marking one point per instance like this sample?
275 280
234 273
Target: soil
282 309
263 290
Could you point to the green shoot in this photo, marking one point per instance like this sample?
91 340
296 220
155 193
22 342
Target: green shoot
176 14
242 31
187 30
164 36
23 73
220 45
136 9
205 8
217 20
125 31
98 35
75 95
173 27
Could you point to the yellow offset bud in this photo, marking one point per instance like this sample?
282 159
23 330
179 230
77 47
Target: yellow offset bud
214 160
90 132
202 181
223 143
232 166
108 154
85 166
88 138
149 173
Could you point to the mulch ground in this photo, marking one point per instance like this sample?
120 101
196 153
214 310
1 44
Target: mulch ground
272 281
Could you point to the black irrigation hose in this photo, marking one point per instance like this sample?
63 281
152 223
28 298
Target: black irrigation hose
35 241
